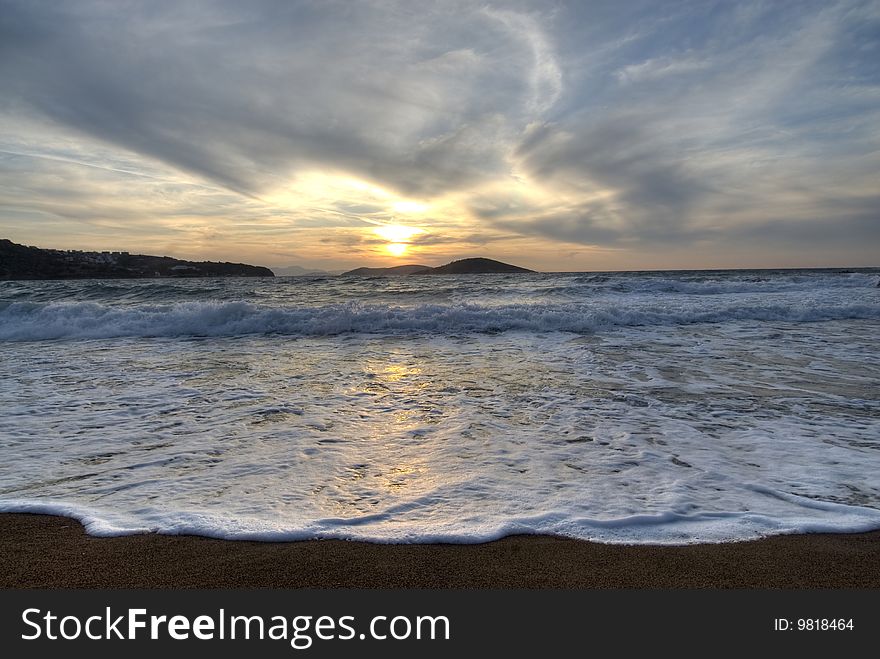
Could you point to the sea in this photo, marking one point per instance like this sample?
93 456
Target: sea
633 407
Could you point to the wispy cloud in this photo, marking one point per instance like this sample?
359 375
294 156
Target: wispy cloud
660 67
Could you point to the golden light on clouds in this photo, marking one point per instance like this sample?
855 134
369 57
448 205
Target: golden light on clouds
409 207
355 220
396 233
321 187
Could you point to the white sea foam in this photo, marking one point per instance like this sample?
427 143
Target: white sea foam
434 411
28 321
659 528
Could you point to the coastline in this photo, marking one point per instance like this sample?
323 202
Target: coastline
43 551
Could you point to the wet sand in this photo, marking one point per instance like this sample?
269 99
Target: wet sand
41 551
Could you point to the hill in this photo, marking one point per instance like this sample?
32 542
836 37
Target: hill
21 262
475 266
396 271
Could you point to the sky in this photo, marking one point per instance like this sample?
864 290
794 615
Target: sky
560 136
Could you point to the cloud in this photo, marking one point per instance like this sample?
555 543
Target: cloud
632 126
722 142
660 67
422 98
545 76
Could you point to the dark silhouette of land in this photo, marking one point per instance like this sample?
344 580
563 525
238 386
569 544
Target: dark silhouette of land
21 262
474 266
396 271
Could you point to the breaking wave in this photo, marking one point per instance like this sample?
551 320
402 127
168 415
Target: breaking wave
35 321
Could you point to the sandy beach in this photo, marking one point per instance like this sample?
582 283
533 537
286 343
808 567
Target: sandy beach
54 552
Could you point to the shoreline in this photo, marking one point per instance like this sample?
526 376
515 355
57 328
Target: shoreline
45 551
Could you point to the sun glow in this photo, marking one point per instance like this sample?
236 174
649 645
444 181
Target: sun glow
396 233
398 237
409 206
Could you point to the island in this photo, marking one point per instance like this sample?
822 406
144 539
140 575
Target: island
475 266
22 262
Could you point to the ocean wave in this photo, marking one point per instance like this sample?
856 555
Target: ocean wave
29 321
707 284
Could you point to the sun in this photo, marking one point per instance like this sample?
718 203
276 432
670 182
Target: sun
398 237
